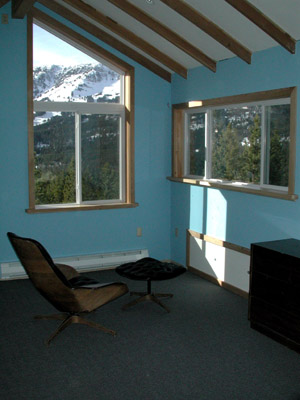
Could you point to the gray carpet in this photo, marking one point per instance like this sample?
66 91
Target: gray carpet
204 349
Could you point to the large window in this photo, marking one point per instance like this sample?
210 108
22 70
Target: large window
247 144
81 129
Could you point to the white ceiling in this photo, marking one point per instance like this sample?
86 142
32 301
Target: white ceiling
285 13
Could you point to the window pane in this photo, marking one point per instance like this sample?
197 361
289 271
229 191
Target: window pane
62 73
100 157
54 156
236 144
277 149
197 144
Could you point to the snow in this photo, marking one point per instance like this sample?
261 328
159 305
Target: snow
84 83
79 83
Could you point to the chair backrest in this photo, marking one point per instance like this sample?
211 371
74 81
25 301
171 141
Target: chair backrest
42 271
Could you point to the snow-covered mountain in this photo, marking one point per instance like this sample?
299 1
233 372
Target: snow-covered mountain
84 83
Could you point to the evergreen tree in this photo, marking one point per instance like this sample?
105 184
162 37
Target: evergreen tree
109 183
232 154
279 150
90 189
197 144
227 155
218 156
69 183
252 153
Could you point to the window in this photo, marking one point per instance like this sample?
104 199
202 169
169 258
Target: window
81 124
244 143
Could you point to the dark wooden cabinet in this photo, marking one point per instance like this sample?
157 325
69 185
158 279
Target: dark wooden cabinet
274 298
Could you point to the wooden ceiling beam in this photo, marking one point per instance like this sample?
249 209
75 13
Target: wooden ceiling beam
107 38
3 2
127 35
165 32
210 28
264 23
21 7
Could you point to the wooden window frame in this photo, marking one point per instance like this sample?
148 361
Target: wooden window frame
178 138
128 70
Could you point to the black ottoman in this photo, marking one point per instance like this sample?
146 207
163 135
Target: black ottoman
149 269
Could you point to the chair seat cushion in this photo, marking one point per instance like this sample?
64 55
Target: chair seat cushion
86 282
150 269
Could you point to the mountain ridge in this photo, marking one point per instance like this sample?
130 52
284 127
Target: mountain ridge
79 83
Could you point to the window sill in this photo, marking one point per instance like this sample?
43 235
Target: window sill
80 208
237 188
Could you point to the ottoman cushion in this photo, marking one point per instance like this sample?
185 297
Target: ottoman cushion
150 269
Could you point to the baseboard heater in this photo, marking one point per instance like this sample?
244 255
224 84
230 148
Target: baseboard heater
93 262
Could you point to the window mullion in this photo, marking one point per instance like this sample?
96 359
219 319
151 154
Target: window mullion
122 168
187 144
78 158
208 143
122 94
263 148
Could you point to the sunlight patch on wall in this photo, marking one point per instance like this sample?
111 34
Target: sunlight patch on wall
223 264
216 214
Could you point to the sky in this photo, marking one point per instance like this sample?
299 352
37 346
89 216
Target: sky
49 50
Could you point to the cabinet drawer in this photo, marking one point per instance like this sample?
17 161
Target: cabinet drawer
270 263
295 278
267 288
275 292
275 319
274 301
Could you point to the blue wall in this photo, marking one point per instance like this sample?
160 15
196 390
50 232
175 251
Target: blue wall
84 232
163 206
235 217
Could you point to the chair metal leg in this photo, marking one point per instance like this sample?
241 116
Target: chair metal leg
145 296
60 317
138 293
136 301
155 299
80 320
154 294
163 294
69 319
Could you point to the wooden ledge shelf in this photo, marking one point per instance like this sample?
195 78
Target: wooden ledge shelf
236 187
